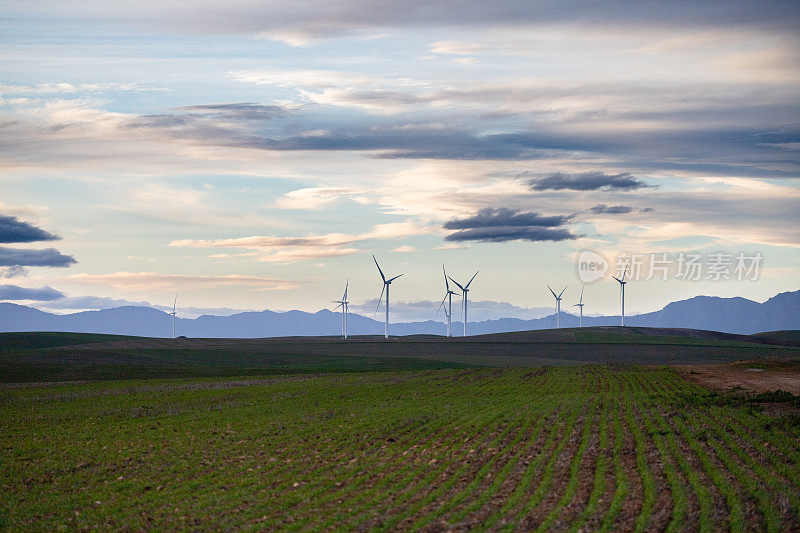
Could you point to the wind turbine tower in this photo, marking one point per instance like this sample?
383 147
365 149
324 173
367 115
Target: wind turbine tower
558 303
622 283
580 305
386 283
343 304
448 295
175 301
464 291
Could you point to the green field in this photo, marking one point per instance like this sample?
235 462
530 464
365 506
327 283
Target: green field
571 448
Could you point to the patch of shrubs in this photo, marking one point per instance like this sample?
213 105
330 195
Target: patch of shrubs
778 396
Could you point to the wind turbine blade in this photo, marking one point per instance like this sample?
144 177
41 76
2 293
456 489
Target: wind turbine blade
379 301
347 283
554 292
562 292
175 301
337 307
446 283
379 268
457 283
625 271
394 278
470 280
582 294
442 305
616 278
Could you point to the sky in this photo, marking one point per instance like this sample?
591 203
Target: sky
254 155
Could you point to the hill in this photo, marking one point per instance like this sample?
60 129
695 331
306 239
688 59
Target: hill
731 315
64 357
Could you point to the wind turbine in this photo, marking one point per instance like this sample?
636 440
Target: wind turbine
464 291
386 283
558 303
175 301
343 304
622 283
447 296
580 305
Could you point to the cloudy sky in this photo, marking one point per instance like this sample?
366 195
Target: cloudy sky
253 155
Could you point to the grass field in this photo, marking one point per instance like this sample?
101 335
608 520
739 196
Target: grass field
571 448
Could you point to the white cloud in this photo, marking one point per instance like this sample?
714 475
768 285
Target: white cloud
312 197
302 78
455 47
404 249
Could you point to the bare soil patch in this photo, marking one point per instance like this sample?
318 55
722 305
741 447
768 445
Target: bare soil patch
750 376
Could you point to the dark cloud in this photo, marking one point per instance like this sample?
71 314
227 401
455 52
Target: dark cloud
13 230
15 271
49 257
503 224
611 209
505 233
42 294
320 19
491 217
586 181
422 142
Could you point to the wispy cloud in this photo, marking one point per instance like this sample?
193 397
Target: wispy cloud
294 249
142 281
455 47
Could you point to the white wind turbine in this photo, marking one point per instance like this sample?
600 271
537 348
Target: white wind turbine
386 283
622 283
343 304
175 301
558 303
464 291
580 305
448 295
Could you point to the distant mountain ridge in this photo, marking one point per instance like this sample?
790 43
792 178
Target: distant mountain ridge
730 315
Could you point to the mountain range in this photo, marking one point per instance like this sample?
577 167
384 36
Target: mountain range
730 315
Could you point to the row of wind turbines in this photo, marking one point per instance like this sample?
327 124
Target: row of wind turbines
448 297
